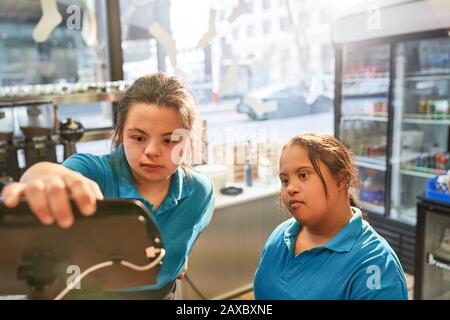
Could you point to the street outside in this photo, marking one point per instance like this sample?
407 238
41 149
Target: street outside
225 124
223 119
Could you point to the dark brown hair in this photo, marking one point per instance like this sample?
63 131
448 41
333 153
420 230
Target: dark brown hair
334 155
162 90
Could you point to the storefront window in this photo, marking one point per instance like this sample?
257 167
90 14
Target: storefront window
52 48
74 51
236 52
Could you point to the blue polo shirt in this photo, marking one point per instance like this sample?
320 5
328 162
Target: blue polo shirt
357 264
184 213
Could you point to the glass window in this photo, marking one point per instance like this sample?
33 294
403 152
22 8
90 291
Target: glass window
233 71
250 31
285 24
39 57
140 49
236 33
266 27
250 6
305 19
70 53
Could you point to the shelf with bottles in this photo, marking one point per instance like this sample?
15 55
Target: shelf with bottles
375 154
414 118
427 57
372 163
420 172
362 67
378 76
381 117
428 75
372 191
366 140
375 108
67 93
433 111
366 62
426 164
361 87
364 95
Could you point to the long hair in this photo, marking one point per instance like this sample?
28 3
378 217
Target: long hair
164 91
334 155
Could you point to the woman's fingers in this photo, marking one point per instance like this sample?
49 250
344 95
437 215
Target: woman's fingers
36 196
96 189
12 193
49 198
59 202
81 191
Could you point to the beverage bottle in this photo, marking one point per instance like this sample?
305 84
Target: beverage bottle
248 174
372 190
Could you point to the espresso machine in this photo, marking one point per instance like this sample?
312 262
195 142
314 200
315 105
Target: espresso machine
9 167
37 123
70 132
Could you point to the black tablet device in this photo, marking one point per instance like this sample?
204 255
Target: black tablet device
120 245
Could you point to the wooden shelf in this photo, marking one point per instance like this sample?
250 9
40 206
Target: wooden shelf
79 98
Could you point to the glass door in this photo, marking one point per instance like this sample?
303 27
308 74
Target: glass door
421 121
364 118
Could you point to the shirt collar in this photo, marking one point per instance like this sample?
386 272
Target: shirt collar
343 241
181 185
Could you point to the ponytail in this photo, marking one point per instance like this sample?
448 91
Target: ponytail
354 203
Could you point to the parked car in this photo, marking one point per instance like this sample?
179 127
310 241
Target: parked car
282 101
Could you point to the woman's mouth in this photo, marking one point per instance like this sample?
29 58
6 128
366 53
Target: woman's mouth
151 166
294 204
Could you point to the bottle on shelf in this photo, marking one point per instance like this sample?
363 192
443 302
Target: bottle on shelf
372 189
248 174
421 106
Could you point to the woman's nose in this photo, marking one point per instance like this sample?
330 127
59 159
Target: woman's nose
292 188
152 150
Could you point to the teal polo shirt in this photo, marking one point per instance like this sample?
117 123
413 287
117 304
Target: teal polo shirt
184 213
357 264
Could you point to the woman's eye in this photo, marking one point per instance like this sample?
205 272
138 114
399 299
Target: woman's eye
303 175
169 141
138 138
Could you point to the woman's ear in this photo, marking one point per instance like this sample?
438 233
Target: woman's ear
342 180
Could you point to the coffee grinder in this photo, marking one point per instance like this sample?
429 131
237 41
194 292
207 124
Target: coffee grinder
70 132
37 123
9 167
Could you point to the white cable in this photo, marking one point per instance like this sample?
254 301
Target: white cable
81 276
146 267
108 264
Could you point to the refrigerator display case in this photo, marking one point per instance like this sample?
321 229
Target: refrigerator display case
364 118
421 121
392 111
432 274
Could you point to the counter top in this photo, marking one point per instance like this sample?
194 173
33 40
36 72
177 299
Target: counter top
257 191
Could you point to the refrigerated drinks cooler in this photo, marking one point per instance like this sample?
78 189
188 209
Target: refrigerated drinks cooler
392 112
432 274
